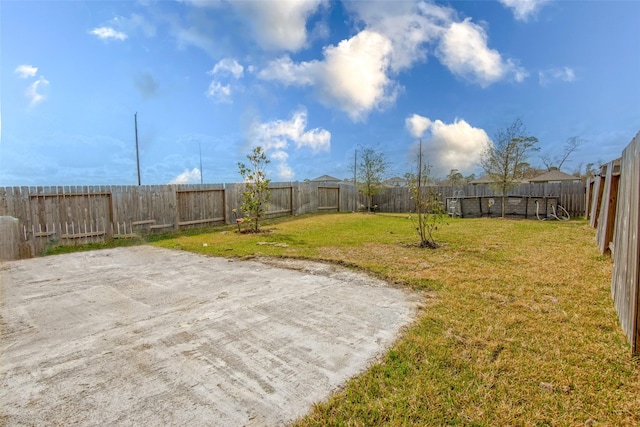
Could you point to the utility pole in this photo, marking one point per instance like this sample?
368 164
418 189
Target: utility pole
355 182
200 150
419 165
135 119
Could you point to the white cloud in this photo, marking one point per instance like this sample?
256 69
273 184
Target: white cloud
523 9
563 74
26 71
463 49
287 72
187 177
352 77
33 92
410 26
354 74
106 33
358 74
279 25
414 27
456 145
276 137
519 73
219 92
276 134
285 172
228 66
225 67
281 156
417 125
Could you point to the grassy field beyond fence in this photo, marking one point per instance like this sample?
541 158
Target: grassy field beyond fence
518 326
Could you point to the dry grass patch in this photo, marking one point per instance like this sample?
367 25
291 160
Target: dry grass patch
522 332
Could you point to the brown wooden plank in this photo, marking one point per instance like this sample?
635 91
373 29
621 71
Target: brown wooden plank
158 226
147 221
82 235
606 221
201 221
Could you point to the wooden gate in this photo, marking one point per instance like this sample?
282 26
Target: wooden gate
74 217
329 199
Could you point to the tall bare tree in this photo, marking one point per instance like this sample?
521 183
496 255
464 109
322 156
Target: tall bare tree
505 158
570 146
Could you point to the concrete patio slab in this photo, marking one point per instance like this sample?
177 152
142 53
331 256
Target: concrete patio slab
151 336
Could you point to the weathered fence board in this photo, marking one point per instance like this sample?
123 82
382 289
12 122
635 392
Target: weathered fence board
394 199
587 203
596 199
625 287
607 211
281 201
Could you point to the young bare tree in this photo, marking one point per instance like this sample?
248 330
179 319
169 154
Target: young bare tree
504 160
256 194
428 206
372 166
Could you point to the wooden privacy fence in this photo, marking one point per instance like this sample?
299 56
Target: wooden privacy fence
34 218
570 196
612 208
78 215
528 207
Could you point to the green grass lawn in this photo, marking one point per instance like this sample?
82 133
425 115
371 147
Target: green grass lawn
518 325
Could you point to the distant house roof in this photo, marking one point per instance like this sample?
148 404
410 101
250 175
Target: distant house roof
555 176
326 178
487 180
482 180
396 181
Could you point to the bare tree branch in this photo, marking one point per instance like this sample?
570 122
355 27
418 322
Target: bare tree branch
570 146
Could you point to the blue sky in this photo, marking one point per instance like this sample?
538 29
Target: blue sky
310 81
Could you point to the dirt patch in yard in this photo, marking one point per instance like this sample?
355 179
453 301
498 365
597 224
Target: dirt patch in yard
150 336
